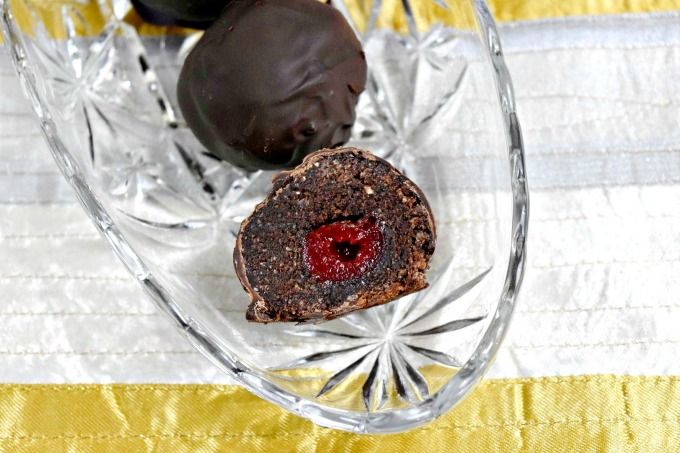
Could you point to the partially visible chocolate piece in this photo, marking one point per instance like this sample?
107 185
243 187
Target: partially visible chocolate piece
341 232
272 81
199 14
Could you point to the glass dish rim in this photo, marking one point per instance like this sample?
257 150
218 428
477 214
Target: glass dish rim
391 421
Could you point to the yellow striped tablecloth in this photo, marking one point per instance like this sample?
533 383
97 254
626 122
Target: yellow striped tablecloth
589 365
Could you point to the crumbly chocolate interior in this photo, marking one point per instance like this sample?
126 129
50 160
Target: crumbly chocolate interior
333 185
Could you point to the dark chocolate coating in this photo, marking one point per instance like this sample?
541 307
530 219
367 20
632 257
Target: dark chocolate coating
272 81
332 185
198 14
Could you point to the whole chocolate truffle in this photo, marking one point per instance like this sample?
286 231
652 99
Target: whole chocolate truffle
184 13
272 81
341 232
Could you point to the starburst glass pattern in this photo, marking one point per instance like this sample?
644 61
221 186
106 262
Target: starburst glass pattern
383 347
413 86
411 91
153 175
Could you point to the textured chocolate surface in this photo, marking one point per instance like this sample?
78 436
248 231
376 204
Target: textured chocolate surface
198 14
332 185
272 81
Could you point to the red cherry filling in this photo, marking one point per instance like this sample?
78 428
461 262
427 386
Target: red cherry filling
344 249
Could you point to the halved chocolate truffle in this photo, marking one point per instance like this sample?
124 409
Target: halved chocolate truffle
341 232
271 81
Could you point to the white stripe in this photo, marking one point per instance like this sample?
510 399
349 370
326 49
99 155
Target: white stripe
599 108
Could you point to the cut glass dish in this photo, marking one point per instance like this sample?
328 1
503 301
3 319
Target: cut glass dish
438 105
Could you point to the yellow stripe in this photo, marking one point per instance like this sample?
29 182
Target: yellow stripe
513 10
586 413
391 15
459 15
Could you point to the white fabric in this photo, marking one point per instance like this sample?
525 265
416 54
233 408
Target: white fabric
599 101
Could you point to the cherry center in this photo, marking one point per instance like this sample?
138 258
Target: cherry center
344 249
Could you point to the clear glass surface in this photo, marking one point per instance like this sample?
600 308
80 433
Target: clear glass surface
438 105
